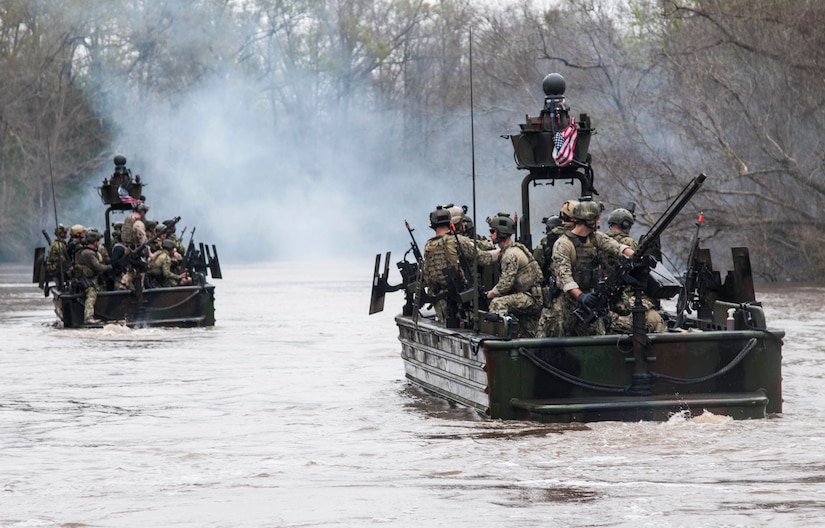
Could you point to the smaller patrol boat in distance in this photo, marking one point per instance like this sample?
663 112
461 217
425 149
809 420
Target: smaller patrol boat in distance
145 303
718 353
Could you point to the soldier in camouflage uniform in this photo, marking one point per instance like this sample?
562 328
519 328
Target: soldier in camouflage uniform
518 291
133 234
440 254
621 319
76 234
469 230
57 261
577 268
87 271
556 225
160 269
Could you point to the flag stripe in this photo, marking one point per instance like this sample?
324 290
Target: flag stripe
124 196
565 145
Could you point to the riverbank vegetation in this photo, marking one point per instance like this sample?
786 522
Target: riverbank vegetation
732 88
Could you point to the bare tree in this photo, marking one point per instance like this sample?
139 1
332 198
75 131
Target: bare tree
48 131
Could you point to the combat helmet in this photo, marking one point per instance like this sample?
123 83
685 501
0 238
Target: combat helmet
503 224
621 217
92 236
456 212
76 230
587 212
60 231
552 222
566 211
141 208
168 244
440 217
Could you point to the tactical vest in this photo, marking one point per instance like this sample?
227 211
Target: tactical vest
81 269
586 262
439 253
529 273
127 232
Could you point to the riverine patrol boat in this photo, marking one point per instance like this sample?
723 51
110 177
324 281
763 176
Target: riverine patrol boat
143 305
718 353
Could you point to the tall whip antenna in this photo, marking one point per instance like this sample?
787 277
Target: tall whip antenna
54 205
476 326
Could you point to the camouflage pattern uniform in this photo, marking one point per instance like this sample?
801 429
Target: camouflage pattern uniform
132 234
439 253
87 271
161 270
518 291
544 250
577 263
58 255
103 253
621 317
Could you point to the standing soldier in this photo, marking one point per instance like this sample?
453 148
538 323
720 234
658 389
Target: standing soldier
76 234
556 225
577 268
133 234
518 291
57 261
441 258
88 270
621 319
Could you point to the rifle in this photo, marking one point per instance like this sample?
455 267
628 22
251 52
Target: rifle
190 252
48 240
635 270
465 288
686 300
134 257
411 275
414 246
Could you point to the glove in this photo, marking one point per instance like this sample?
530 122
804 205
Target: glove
591 300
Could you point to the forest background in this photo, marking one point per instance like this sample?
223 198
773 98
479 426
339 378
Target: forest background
312 128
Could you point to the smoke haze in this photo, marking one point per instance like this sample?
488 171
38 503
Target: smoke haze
301 190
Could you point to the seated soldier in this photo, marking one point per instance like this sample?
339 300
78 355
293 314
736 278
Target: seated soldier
518 291
160 268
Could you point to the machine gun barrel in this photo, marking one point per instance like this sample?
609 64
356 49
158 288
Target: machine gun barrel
650 240
639 265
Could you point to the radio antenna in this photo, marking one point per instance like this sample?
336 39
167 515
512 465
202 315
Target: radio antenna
476 326
54 208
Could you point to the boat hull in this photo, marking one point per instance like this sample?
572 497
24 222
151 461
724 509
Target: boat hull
584 379
181 306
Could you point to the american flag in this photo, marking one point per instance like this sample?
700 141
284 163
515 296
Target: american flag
124 196
564 142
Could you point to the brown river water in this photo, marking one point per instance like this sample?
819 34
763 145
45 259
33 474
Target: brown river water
293 412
